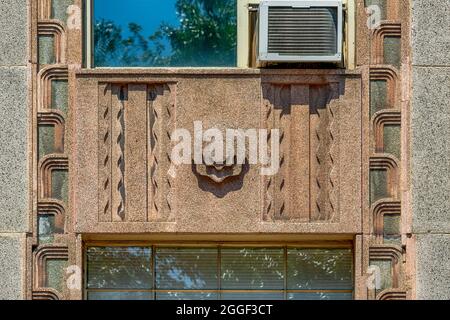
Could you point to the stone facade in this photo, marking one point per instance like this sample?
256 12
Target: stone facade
14 147
364 152
430 145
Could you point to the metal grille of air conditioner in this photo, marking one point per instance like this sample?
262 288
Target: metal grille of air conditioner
302 31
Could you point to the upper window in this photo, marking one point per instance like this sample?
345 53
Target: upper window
169 33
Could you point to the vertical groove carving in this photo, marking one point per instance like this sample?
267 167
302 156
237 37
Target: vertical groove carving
322 143
104 139
333 131
267 123
154 143
118 143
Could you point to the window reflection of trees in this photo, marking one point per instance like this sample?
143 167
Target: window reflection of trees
206 36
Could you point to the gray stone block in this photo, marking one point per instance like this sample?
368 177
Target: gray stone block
13 32
430 32
430 144
13 150
12 267
433 266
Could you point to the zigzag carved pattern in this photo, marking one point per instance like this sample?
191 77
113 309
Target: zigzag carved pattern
267 123
323 140
154 124
170 126
118 143
105 154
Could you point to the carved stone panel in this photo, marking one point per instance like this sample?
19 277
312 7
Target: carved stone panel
124 180
134 127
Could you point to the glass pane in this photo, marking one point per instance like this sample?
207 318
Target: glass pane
60 185
186 296
378 185
46 140
154 33
56 270
59 9
247 268
320 269
320 296
380 3
60 98
46 228
378 96
391 228
252 296
385 268
119 268
120 296
392 141
46 50
186 268
392 51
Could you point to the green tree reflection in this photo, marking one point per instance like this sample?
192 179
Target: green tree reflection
206 36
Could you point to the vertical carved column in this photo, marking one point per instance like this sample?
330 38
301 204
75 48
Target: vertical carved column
385 240
305 188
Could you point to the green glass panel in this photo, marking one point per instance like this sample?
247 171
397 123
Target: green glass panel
392 51
56 270
392 140
319 269
60 98
380 3
391 228
385 268
178 33
46 140
320 296
46 228
60 185
252 268
186 268
59 9
378 185
173 295
378 96
46 49
120 295
119 268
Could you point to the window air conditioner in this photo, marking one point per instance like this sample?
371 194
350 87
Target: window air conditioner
300 31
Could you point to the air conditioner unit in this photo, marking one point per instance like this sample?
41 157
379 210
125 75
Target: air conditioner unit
300 31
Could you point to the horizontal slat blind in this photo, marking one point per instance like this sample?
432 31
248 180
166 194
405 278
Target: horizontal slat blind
185 268
181 273
247 268
302 31
319 269
119 268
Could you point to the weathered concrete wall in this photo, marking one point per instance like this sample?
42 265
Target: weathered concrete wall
430 144
14 116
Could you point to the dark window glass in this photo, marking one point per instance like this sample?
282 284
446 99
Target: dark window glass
169 33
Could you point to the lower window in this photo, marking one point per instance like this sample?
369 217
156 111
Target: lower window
218 273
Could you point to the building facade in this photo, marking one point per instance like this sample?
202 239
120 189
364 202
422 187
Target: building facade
94 205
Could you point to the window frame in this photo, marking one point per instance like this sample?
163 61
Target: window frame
219 245
243 36
241 50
